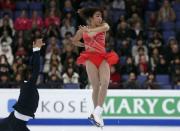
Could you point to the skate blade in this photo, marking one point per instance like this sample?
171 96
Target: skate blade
92 120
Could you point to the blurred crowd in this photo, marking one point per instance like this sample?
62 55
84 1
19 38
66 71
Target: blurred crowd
144 33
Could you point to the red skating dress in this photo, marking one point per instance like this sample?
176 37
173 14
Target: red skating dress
95 50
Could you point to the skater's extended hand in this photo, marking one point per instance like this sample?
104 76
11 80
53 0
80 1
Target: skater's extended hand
38 43
84 28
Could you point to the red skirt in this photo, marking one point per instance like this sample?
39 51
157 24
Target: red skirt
97 58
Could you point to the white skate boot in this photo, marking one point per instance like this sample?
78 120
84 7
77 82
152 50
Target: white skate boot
96 117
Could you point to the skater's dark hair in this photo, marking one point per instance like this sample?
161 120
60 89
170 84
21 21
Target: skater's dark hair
87 13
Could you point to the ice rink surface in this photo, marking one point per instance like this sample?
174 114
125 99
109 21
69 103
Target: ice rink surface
106 128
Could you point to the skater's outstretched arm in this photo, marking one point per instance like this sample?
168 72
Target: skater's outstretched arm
36 60
28 99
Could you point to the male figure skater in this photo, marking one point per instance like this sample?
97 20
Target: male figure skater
28 99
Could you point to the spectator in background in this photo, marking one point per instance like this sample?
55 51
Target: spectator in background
105 4
48 56
175 66
70 76
141 55
125 48
68 6
120 19
176 63
177 84
4 81
152 21
88 4
52 19
1 1
6 24
154 58
151 82
20 73
54 70
21 52
110 42
118 4
53 43
151 5
139 44
134 6
129 66
70 62
83 79
22 22
69 52
115 79
67 39
53 66
6 50
156 34
19 34
166 12
69 16
122 31
51 31
36 21
6 39
19 66
176 2
22 70
5 72
37 33
5 68
137 31
131 83
7 5
20 49
54 82
162 66
176 78
18 81
155 43
173 49
52 4
107 16
135 19
143 66
67 27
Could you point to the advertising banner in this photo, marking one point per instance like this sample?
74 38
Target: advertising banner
119 104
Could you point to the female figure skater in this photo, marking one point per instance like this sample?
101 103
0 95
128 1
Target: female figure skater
95 58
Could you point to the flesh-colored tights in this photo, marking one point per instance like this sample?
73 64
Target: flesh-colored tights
99 79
